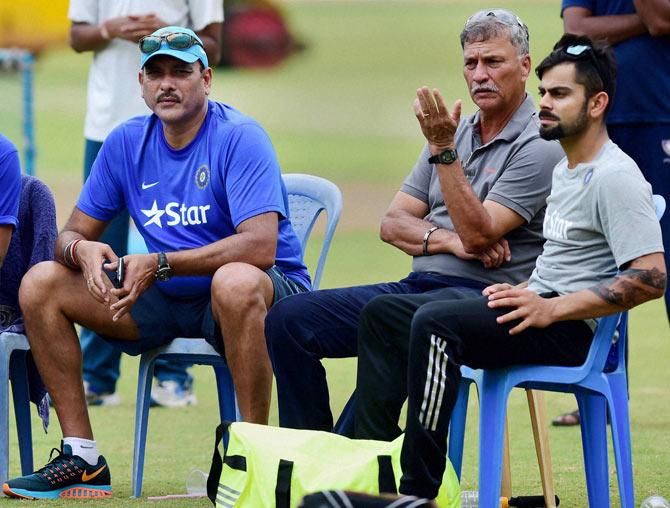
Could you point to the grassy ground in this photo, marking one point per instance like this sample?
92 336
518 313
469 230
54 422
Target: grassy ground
341 110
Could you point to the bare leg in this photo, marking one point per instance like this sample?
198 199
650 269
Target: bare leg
241 297
52 299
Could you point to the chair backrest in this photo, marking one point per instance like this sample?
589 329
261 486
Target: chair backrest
308 196
604 355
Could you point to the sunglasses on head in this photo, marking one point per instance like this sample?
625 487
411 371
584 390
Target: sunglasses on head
505 17
176 40
582 51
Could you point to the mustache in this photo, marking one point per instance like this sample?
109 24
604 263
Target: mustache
546 115
167 95
484 88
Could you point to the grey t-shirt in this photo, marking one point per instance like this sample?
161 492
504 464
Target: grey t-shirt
514 170
600 215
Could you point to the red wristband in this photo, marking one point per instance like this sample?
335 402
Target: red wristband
73 252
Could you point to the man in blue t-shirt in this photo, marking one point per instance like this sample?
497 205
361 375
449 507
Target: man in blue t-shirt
10 191
202 183
639 122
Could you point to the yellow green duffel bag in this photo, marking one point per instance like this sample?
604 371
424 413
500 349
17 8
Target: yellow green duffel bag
275 467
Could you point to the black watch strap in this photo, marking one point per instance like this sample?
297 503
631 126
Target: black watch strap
164 270
162 261
447 156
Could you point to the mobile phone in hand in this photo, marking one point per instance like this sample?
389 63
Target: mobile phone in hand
120 274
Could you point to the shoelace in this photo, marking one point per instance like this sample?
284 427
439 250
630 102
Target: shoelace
53 465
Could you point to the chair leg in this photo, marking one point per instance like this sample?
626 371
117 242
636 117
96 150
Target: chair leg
620 423
144 379
457 427
539 422
593 421
506 483
228 409
21 396
4 414
493 405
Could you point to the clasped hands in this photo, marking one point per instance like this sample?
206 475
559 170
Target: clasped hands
133 27
140 274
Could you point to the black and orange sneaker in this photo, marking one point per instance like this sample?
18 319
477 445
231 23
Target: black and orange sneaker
66 476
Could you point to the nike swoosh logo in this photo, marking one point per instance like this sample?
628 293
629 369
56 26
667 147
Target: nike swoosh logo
146 186
86 477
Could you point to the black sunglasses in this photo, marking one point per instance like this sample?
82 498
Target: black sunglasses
176 40
579 52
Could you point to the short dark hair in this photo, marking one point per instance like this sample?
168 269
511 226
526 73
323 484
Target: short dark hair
595 65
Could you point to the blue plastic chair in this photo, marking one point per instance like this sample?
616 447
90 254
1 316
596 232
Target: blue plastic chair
13 350
600 387
308 196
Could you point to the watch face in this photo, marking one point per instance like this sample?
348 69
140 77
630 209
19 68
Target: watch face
448 156
164 274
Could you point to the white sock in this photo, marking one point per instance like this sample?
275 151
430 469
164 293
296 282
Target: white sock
84 448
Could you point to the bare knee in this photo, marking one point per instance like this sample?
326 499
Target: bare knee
39 284
239 287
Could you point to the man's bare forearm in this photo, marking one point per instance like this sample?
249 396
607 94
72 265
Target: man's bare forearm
655 15
86 37
242 247
406 232
472 222
615 28
624 291
632 287
211 41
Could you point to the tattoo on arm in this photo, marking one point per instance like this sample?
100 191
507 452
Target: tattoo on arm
631 287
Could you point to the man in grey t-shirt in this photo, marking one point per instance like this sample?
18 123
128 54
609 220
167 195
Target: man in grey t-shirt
472 219
603 254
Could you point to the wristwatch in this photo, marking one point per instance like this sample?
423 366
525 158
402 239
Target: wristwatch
445 157
164 270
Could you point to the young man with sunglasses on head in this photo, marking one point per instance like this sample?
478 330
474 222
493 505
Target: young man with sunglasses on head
603 254
639 122
111 30
202 183
476 221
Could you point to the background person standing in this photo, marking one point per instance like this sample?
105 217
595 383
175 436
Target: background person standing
111 30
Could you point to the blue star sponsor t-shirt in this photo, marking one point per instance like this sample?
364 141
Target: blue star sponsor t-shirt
10 183
643 73
190 197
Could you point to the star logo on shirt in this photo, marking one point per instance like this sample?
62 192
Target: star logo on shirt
154 215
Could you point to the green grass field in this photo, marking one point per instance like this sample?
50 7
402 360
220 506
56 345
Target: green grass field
342 110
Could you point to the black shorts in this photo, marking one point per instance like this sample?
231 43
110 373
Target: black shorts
161 317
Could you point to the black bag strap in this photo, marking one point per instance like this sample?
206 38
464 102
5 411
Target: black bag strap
217 462
283 488
387 484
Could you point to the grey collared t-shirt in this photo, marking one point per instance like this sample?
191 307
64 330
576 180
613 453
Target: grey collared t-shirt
600 215
514 170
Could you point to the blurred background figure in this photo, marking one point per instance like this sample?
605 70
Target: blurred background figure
256 34
111 31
